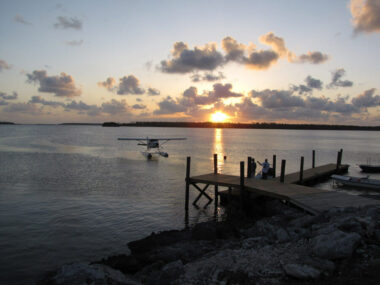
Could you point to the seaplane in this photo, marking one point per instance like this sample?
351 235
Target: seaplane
153 146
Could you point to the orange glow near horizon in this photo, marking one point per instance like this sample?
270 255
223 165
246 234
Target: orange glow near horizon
218 117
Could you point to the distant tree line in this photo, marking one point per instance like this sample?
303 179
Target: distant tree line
243 126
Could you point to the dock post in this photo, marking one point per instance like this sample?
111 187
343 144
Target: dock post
313 163
215 163
301 169
282 177
188 162
339 160
249 167
274 166
242 192
216 186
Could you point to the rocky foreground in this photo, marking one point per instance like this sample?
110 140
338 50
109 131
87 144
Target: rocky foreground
287 246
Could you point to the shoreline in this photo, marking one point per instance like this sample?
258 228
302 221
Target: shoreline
274 244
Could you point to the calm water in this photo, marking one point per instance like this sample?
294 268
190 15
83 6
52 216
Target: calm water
75 193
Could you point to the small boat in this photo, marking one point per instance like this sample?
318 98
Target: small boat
370 168
361 182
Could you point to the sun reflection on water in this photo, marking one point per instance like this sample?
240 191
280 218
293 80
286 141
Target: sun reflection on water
218 148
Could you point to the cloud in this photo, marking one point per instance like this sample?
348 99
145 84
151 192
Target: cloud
3 102
169 106
153 92
129 85
139 106
336 79
208 76
314 57
109 84
27 108
367 99
4 65
40 100
62 85
8 97
185 60
273 99
223 91
261 59
311 83
74 43
68 23
234 50
139 100
365 15
277 43
114 107
20 19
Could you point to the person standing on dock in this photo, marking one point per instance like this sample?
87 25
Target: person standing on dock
265 169
253 167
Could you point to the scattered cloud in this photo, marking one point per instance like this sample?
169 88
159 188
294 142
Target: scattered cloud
277 44
234 51
3 102
261 59
336 79
367 99
153 92
311 83
208 76
68 23
4 96
139 106
272 99
109 84
314 57
4 65
114 107
20 19
365 15
42 101
168 106
62 85
27 108
129 85
74 43
185 60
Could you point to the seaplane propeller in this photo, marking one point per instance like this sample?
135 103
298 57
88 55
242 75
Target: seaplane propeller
152 145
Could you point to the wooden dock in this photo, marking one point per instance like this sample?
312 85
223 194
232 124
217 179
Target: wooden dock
310 199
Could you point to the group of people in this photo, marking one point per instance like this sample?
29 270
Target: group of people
264 172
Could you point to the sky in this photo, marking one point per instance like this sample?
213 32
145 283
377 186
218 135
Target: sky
94 61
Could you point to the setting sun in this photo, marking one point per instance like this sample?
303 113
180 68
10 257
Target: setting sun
218 117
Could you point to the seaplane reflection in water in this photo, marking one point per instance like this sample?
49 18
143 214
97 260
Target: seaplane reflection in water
152 145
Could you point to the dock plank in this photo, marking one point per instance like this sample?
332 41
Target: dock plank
313 200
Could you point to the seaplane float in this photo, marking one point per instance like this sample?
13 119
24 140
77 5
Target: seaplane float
153 145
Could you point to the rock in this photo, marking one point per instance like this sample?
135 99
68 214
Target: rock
301 271
254 242
335 245
374 213
376 235
324 265
125 263
205 231
350 224
305 221
171 272
156 240
282 235
82 273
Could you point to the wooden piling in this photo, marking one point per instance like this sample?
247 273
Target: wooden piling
274 166
301 169
313 161
249 167
339 159
188 163
282 177
215 163
242 193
